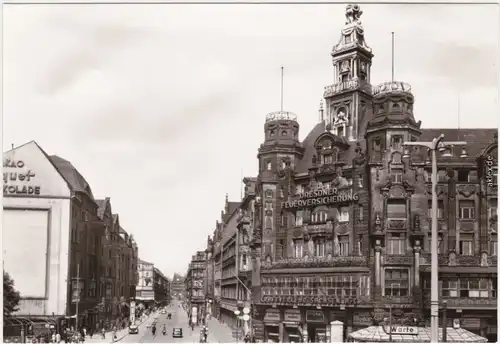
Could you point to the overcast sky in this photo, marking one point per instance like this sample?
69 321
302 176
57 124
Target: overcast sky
161 107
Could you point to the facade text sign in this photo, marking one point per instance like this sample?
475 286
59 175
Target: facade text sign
321 197
412 330
17 181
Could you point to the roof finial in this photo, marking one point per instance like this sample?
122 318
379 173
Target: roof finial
352 13
321 112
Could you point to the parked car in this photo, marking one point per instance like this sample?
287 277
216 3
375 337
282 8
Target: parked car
177 332
133 329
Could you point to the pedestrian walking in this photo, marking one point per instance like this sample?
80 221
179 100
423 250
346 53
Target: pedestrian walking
58 337
103 333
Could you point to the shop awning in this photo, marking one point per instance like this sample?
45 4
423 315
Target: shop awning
378 334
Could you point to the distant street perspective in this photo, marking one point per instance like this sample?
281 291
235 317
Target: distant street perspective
365 224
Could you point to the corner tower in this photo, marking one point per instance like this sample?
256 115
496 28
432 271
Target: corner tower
350 97
278 156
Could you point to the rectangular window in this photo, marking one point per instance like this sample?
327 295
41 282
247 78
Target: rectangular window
343 245
396 282
396 243
343 214
427 176
361 213
493 245
441 175
297 246
340 131
360 181
397 175
269 206
396 209
319 247
467 210
449 287
474 287
466 244
463 176
492 207
299 218
328 159
440 209
349 181
397 142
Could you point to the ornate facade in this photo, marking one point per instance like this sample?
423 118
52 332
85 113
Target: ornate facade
195 297
341 229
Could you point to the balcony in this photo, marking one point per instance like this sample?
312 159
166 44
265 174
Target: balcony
316 262
346 86
445 260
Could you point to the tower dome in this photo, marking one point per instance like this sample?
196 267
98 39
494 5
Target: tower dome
281 127
393 102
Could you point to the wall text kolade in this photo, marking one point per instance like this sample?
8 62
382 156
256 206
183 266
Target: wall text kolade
321 197
18 175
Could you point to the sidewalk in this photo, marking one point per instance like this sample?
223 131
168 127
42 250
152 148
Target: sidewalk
96 338
219 333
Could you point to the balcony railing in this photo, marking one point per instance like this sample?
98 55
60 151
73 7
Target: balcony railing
347 86
316 262
444 260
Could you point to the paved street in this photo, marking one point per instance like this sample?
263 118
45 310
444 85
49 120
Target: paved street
218 333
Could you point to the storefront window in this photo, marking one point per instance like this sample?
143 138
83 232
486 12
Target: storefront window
474 287
449 288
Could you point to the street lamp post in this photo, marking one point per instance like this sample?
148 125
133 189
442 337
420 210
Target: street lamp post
437 144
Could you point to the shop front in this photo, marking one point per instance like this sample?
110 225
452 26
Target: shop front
316 326
292 331
272 324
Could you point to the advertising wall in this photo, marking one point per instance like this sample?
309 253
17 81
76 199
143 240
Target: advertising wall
35 232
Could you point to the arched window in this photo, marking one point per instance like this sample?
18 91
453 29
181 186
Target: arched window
269 194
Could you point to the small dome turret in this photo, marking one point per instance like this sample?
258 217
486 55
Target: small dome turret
281 127
393 101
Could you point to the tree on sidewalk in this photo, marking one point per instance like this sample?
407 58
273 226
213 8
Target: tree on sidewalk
11 296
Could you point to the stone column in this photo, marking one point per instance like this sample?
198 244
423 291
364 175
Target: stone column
305 335
378 249
336 332
281 328
416 251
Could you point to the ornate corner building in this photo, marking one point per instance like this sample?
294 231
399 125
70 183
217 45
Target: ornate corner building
338 228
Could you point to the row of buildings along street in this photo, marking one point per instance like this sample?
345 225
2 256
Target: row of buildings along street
332 239
70 257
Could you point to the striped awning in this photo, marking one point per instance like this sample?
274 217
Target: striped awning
378 334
